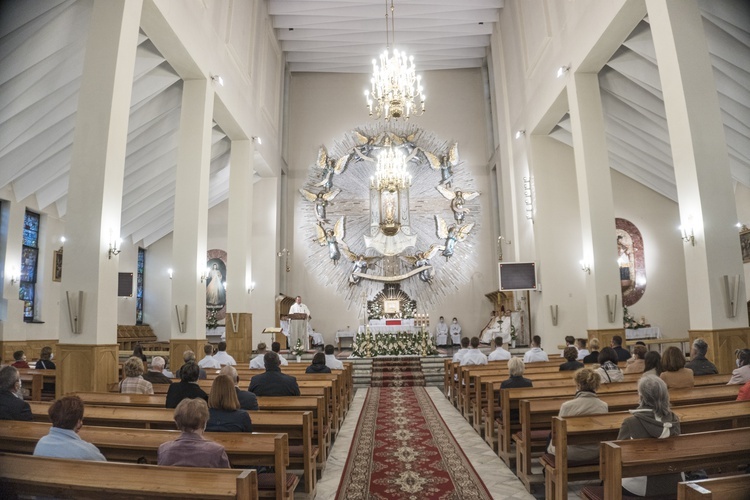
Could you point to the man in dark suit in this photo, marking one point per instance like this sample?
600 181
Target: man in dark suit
11 406
248 400
273 382
622 354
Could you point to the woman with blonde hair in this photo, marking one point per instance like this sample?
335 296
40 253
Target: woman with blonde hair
637 362
224 410
134 383
586 402
593 356
673 370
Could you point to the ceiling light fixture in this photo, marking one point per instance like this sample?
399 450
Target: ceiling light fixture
562 70
217 79
391 173
396 88
520 133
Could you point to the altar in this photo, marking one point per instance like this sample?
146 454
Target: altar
378 326
643 333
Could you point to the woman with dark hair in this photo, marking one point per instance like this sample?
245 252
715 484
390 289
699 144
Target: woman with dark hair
586 402
45 359
63 441
652 419
608 370
191 449
224 413
187 387
318 364
652 363
741 374
636 363
673 369
571 353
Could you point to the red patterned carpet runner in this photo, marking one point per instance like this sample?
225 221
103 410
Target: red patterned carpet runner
402 449
397 372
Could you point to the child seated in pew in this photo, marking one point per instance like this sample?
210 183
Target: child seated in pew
63 441
652 419
224 413
586 402
191 449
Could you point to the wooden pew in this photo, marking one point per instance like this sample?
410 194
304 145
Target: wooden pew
594 429
297 425
34 382
536 417
720 488
316 404
128 445
29 475
647 457
510 398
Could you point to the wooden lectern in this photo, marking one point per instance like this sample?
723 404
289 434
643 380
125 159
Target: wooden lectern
298 329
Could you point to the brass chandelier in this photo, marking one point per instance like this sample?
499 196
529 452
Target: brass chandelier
396 88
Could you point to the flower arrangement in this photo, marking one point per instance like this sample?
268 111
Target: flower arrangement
409 309
211 321
374 310
367 345
298 349
512 333
630 322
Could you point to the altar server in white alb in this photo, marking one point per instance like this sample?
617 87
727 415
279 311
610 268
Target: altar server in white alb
441 332
455 331
535 353
474 356
499 353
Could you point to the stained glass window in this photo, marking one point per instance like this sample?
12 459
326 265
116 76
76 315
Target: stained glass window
139 287
29 259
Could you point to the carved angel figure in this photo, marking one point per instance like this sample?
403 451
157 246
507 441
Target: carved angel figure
331 237
452 235
422 260
445 163
360 263
329 167
321 201
458 198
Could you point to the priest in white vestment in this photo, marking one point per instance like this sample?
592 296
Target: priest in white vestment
492 329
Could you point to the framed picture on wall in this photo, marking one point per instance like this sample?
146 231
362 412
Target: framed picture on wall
745 245
57 266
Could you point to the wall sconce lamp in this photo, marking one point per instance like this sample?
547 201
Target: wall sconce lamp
252 287
218 80
115 247
687 235
257 140
204 276
170 272
742 227
14 276
527 198
562 70
286 252
585 266
520 133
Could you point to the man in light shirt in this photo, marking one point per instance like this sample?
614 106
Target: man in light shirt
208 361
294 327
499 353
331 361
257 362
464 349
582 351
222 357
535 354
474 356
276 347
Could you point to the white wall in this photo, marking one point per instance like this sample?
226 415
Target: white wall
322 108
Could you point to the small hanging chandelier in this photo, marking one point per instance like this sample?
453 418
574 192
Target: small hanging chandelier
391 174
396 88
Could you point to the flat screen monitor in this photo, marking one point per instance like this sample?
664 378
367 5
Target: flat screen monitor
125 285
517 276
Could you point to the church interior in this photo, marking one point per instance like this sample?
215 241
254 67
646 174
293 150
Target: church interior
176 172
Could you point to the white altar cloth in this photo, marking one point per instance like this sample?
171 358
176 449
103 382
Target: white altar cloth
377 330
643 333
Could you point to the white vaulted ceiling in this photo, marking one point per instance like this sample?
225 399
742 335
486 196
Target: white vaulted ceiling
42 46
344 35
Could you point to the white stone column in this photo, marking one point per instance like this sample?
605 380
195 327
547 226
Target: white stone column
191 212
239 227
264 246
96 172
596 206
701 162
